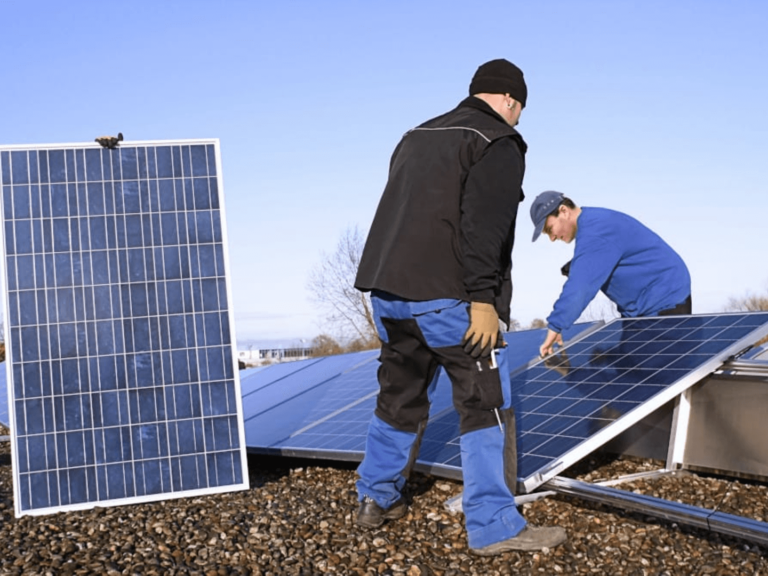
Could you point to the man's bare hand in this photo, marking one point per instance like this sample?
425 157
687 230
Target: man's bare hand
550 341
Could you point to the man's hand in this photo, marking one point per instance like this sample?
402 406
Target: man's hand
483 330
549 343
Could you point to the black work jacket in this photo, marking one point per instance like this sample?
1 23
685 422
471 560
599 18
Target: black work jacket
445 224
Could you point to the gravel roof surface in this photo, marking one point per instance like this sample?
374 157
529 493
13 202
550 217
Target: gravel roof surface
298 519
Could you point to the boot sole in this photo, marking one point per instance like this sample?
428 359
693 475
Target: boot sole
517 547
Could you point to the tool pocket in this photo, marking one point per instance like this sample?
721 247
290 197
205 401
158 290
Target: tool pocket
485 391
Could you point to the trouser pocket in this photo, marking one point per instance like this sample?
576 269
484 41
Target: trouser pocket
442 322
485 391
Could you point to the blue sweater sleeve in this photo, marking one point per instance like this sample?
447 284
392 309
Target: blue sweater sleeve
594 260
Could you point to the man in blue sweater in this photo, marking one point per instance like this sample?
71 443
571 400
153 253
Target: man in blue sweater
614 253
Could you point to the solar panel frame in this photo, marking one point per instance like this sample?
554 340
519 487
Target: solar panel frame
756 353
72 192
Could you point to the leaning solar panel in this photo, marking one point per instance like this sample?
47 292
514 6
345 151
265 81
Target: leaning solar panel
121 366
572 403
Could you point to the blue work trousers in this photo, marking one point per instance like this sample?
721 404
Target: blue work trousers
417 338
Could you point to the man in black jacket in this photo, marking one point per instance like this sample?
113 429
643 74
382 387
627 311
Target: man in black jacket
437 262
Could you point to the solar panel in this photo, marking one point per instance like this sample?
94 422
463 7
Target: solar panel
246 372
255 378
603 381
285 407
334 417
121 366
293 378
598 386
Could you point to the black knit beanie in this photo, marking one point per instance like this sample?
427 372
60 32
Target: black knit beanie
499 77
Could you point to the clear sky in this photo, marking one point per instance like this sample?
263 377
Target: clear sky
656 108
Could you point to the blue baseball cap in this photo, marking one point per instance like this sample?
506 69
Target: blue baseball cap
544 204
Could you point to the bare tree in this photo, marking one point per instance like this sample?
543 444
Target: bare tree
748 303
324 345
537 323
347 311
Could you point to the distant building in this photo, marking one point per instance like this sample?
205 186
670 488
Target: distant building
258 356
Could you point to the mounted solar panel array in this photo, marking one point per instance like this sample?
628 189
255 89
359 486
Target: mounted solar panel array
603 381
561 419
121 367
324 413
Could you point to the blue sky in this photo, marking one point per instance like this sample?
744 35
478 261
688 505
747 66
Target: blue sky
655 108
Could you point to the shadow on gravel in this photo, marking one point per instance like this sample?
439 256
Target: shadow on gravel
417 485
267 468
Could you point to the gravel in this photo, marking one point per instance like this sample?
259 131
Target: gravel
298 519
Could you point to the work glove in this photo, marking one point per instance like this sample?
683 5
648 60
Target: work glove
483 330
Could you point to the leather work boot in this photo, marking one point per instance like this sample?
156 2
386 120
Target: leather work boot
371 515
529 538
